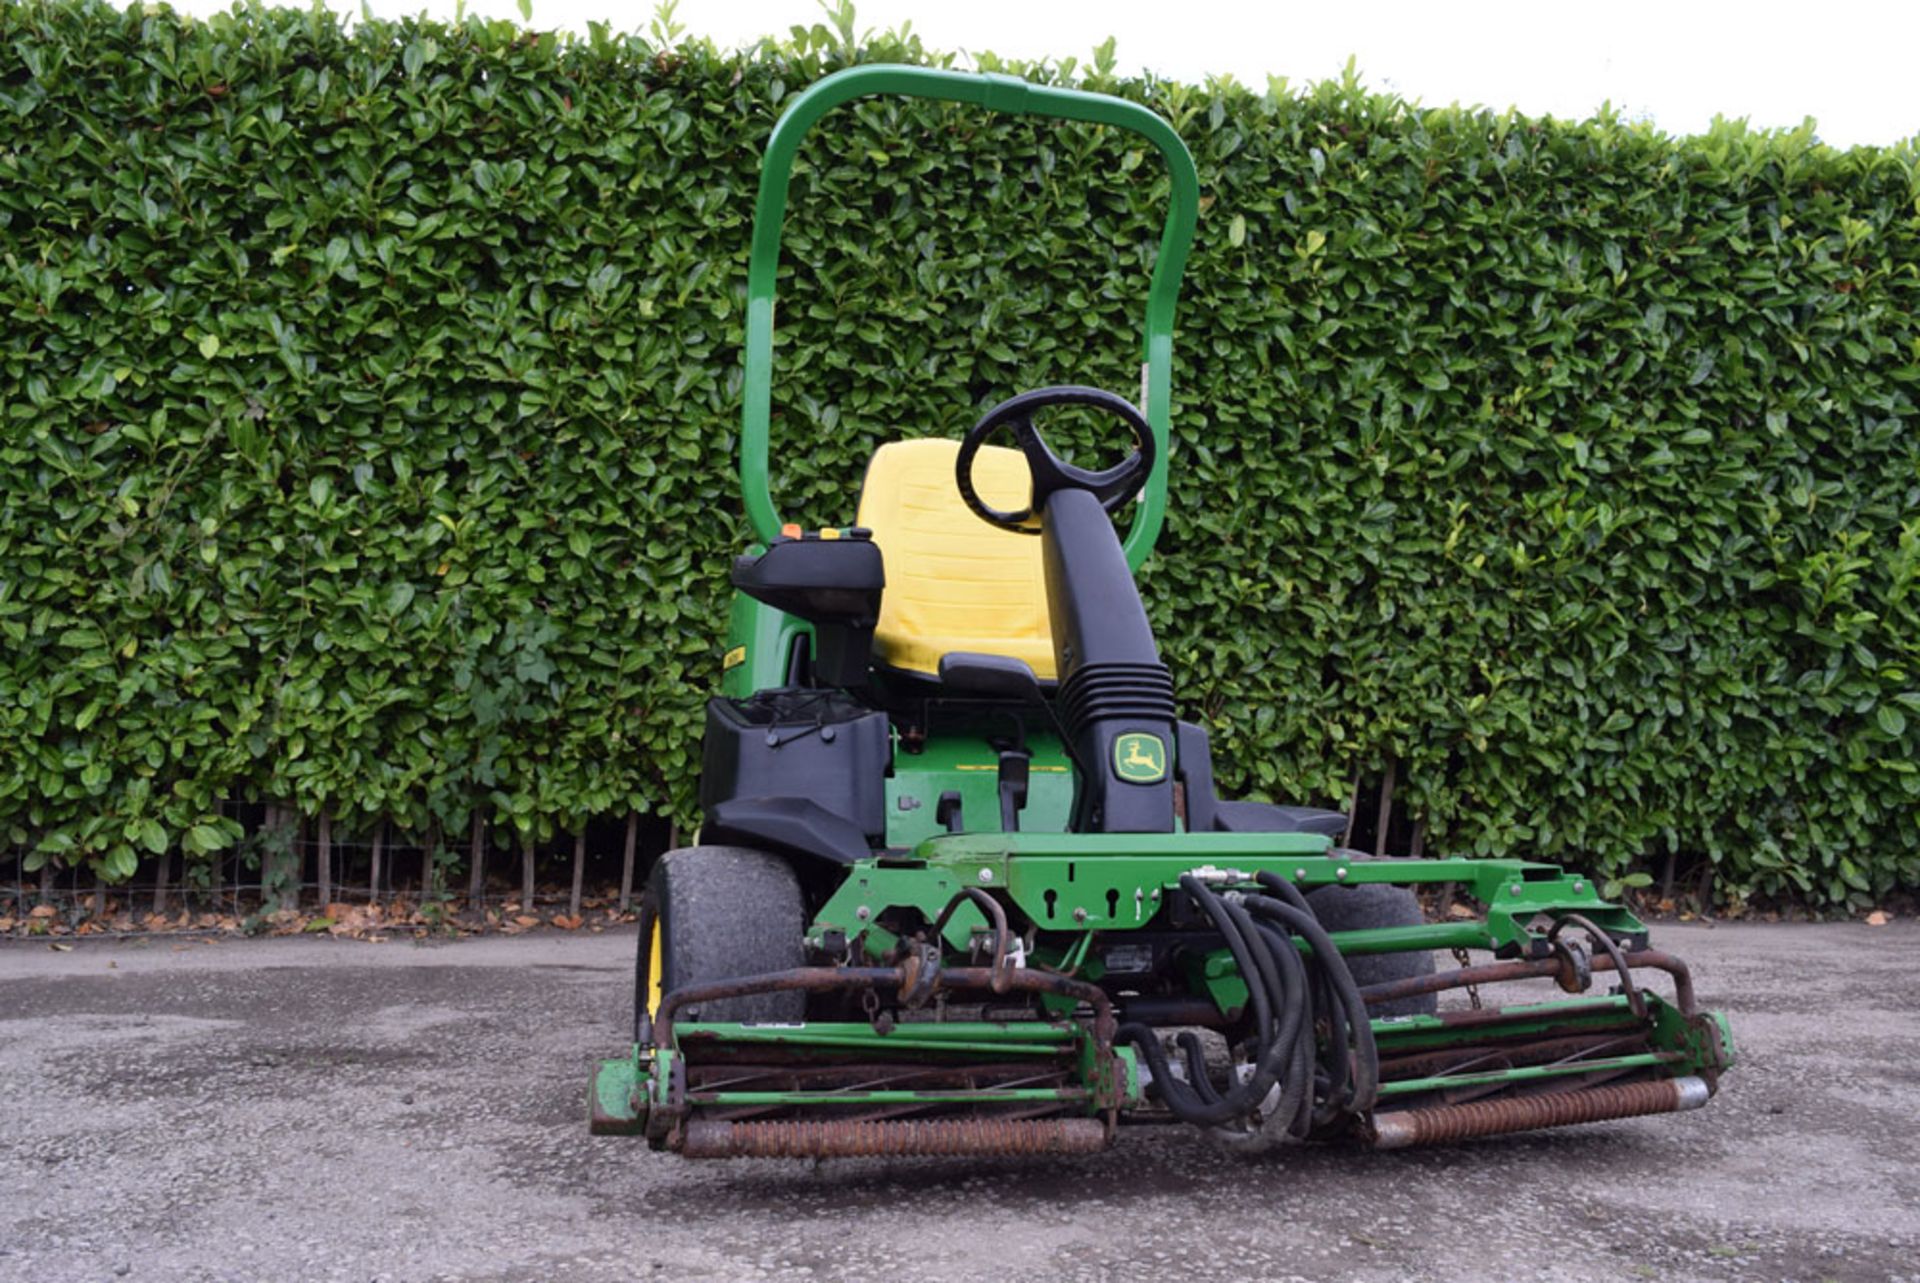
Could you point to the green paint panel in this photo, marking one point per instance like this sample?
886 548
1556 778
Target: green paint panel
761 638
986 1096
1118 882
615 1098
930 1036
1114 1084
971 767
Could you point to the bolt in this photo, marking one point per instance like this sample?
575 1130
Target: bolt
1340 873
986 875
1515 888
1079 915
863 913
1299 875
1579 887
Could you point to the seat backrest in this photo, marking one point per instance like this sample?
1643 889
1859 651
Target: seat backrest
954 583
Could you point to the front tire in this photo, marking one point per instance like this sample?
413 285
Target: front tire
713 913
1364 908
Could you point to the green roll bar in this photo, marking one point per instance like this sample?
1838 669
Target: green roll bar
996 93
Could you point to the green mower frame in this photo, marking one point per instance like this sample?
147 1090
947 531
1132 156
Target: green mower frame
860 960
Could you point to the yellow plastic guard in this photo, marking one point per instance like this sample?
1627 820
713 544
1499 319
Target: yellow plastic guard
954 583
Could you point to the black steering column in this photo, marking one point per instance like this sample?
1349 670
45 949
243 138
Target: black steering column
1116 697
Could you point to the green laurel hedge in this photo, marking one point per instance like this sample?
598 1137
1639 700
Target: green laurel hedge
369 401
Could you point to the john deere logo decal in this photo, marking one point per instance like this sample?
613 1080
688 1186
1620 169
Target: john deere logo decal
1139 758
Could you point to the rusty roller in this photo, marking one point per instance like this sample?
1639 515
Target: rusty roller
898 1138
1445 1123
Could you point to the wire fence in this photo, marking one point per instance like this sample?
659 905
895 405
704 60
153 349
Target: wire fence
285 862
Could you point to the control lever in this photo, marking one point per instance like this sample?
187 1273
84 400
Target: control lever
1014 771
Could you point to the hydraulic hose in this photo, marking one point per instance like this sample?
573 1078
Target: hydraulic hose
1310 1041
1240 1099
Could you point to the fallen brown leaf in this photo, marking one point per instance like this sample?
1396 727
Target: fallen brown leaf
6 924
60 948
566 922
40 911
526 920
1878 918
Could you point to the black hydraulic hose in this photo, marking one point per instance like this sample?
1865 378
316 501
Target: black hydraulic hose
1303 1087
1366 1059
1185 1102
1293 1109
1329 1073
1291 1058
1286 891
1337 1069
1244 947
1288 995
1195 1057
1282 970
1279 991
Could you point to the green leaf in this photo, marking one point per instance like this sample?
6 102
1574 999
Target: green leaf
209 346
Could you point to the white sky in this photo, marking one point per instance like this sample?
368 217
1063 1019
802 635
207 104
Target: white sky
1848 63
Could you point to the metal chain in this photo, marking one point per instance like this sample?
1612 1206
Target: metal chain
1465 960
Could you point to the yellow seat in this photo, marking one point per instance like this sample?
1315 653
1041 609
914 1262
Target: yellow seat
954 583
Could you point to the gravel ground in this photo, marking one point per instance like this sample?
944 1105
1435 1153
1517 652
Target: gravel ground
321 1109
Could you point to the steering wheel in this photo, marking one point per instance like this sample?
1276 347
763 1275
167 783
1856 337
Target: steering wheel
1113 487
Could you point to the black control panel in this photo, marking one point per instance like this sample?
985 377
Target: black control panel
833 580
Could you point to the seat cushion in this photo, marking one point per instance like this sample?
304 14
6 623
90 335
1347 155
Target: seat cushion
1268 817
954 582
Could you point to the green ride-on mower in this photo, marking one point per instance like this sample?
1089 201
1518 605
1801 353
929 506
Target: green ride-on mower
964 885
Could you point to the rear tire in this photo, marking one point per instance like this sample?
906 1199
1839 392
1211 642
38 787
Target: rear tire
721 912
1364 908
